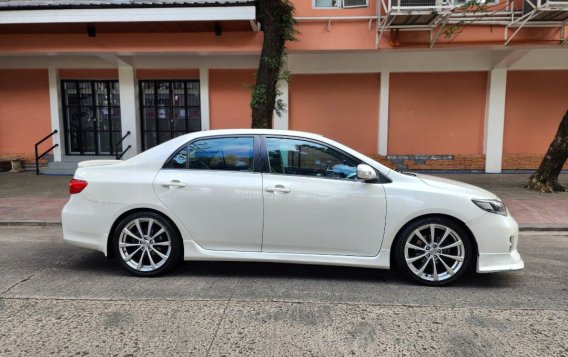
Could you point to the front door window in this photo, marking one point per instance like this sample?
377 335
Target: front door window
168 109
307 158
91 112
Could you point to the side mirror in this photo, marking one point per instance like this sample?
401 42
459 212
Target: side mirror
366 172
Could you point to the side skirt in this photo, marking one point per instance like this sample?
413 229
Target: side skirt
192 251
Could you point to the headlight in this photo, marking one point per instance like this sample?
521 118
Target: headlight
493 206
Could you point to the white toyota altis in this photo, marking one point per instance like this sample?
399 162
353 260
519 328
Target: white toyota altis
284 196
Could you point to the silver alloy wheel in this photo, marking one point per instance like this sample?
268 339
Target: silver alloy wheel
144 244
434 252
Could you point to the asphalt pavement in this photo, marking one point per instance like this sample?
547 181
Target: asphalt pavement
56 299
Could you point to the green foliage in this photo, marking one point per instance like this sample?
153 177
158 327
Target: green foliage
474 6
284 76
273 63
471 6
451 30
280 107
258 97
288 21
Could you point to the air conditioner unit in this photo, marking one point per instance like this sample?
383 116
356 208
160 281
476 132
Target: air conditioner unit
418 3
480 2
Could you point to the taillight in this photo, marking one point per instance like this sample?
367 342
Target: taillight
76 186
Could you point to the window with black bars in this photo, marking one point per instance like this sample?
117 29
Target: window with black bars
168 108
91 113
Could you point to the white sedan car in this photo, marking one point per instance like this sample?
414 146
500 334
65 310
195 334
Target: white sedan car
284 196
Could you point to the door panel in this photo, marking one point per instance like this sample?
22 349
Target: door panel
222 210
322 216
313 202
211 186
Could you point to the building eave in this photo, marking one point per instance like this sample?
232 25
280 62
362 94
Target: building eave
146 14
96 4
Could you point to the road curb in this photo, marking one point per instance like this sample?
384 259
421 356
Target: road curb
543 228
30 223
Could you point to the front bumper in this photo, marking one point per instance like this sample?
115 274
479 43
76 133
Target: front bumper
497 237
489 263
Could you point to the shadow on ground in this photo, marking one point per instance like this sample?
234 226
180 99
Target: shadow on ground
95 263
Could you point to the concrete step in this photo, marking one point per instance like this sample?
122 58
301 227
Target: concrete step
66 158
63 165
69 164
59 168
59 171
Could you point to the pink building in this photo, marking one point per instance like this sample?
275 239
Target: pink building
425 84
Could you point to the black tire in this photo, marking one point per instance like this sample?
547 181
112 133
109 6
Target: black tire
138 253
427 262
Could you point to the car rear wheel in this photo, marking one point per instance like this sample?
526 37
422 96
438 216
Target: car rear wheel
147 244
434 251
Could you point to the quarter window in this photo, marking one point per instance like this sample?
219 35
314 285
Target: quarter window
306 158
227 154
179 160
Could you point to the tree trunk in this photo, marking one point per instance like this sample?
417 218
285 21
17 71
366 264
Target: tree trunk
276 18
545 178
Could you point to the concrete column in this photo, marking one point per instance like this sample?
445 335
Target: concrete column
129 110
384 113
204 97
281 122
55 112
495 119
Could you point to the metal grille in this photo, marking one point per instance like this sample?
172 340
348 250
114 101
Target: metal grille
91 111
416 3
354 3
169 108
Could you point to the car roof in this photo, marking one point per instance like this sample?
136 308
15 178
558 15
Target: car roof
254 132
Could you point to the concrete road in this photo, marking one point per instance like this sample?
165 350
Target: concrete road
61 300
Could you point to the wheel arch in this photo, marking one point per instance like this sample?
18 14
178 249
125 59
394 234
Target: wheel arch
111 234
435 215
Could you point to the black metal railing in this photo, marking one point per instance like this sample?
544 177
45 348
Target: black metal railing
38 157
119 155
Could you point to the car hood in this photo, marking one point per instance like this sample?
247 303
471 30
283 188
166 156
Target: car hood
440 182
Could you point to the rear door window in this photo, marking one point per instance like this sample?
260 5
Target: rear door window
224 153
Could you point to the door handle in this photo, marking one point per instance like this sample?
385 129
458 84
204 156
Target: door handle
174 183
278 188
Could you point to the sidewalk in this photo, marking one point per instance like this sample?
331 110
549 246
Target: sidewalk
29 199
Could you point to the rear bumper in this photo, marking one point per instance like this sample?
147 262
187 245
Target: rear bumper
87 224
497 237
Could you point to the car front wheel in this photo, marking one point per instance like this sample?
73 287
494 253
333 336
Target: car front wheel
434 251
147 244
